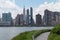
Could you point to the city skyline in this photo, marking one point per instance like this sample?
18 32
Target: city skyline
50 18
16 6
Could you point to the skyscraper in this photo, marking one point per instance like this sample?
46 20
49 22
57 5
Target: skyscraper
24 15
6 18
38 19
17 20
51 18
21 19
48 17
27 18
31 21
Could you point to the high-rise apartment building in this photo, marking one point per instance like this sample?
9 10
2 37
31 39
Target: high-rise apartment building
51 18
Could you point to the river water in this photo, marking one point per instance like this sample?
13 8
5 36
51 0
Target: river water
7 33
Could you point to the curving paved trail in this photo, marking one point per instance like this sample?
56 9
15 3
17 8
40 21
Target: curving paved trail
43 36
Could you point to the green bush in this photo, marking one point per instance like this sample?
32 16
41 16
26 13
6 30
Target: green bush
55 33
56 29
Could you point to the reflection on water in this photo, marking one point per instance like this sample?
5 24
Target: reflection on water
6 33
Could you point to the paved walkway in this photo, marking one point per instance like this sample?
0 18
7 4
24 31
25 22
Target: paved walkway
43 36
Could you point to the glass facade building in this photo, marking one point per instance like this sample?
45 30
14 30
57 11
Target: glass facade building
6 18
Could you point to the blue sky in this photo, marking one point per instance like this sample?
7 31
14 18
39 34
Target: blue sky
33 3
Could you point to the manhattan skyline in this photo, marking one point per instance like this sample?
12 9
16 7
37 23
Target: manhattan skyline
16 6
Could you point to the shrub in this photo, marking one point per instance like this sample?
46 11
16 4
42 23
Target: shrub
55 33
56 29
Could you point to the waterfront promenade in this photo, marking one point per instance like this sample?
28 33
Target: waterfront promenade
43 36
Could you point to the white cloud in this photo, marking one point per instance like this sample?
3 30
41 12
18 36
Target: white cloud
8 6
50 6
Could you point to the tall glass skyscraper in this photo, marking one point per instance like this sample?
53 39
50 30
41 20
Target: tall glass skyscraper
31 16
27 18
24 16
6 18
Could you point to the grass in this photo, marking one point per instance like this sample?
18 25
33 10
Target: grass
55 33
28 35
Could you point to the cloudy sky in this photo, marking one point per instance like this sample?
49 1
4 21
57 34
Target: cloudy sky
16 6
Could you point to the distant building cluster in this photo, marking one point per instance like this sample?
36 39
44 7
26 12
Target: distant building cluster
51 18
26 19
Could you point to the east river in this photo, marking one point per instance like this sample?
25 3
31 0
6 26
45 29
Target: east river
7 33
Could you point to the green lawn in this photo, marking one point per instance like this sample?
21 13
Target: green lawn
55 33
28 35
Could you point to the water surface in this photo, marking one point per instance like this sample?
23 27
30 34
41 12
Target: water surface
7 33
